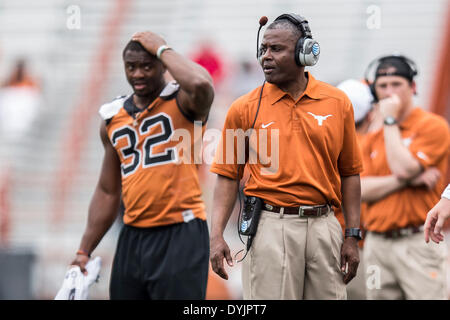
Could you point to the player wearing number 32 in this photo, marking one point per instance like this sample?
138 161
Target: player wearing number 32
163 248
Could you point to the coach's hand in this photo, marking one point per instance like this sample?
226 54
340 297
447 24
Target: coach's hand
350 256
390 106
219 251
81 261
149 40
428 178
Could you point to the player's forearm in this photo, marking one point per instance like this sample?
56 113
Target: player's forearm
351 200
399 158
102 214
225 192
192 77
376 188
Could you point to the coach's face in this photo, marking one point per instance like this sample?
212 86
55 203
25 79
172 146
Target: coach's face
277 56
387 86
144 72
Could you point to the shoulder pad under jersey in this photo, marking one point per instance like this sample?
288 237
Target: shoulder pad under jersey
170 90
110 109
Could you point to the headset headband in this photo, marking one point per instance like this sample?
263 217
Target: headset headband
298 21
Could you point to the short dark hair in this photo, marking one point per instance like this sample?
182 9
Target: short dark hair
133 46
287 25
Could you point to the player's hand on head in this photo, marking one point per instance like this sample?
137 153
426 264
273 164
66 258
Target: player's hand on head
149 40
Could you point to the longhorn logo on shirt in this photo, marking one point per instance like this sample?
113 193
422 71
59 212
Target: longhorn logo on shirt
320 119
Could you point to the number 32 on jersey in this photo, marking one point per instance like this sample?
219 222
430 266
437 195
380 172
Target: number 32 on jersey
145 156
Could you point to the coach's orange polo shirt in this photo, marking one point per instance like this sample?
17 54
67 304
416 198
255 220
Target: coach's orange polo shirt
316 144
427 137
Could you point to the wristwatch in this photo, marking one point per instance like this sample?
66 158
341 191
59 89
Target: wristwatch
389 121
353 232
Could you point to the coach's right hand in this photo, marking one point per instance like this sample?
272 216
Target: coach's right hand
219 251
81 261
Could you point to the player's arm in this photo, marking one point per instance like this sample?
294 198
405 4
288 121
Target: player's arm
225 192
104 203
197 92
351 203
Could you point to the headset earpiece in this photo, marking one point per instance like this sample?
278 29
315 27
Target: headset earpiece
373 92
307 50
260 59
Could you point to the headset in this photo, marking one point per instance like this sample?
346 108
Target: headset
307 50
412 71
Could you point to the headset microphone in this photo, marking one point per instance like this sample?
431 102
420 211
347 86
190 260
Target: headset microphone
241 222
262 22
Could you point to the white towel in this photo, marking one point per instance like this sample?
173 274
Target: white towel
76 285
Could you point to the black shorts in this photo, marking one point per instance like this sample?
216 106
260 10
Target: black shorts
168 262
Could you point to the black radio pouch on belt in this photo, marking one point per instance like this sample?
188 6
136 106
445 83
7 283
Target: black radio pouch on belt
250 216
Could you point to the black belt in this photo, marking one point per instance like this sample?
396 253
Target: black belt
302 211
402 232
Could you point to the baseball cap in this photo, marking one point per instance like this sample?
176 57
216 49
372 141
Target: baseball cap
360 96
396 66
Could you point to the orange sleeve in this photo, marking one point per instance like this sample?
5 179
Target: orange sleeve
349 162
226 163
432 143
364 144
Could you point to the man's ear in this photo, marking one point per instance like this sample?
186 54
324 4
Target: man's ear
414 87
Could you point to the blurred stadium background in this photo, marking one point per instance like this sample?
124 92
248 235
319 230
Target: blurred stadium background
50 147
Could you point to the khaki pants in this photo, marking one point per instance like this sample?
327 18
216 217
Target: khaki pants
404 268
294 258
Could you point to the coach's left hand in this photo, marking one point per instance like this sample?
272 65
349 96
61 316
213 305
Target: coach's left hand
350 256
149 40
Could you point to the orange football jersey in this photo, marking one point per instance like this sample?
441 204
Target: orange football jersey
158 149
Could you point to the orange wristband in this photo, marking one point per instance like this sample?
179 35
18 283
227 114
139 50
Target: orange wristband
83 253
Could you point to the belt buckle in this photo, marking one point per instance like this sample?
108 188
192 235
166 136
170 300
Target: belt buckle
405 232
396 233
302 209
